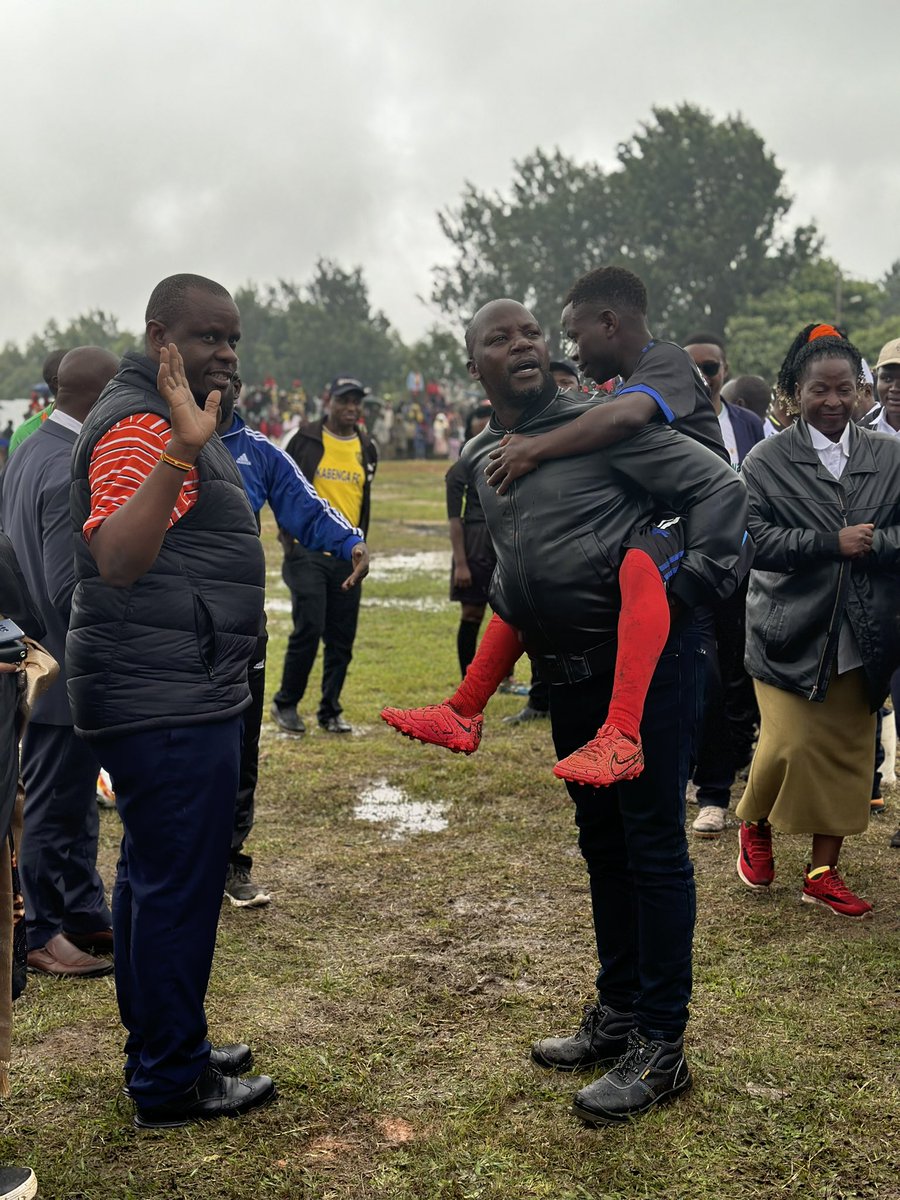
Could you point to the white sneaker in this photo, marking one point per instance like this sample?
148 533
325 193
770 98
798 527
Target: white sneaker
710 821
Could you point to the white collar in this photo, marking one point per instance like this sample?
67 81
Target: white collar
64 419
882 426
821 442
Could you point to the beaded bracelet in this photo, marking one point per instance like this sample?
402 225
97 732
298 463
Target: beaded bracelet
175 462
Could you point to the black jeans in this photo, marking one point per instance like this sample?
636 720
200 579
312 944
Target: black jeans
321 611
730 713
246 793
633 840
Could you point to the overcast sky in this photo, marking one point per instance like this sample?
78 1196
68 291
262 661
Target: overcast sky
242 140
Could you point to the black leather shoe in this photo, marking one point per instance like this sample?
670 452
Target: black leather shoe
602 1037
527 714
285 717
214 1095
650 1073
233 1059
895 841
336 725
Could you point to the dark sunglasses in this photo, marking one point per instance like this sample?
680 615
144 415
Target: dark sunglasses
710 367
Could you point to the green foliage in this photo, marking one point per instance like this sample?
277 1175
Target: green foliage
315 332
529 245
761 331
439 354
692 206
699 201
20 368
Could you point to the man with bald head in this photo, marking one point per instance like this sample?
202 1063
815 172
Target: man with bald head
66 913
559 534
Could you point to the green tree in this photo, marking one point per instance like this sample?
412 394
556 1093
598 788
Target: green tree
530 244
761 331
701 200
693 205
20 367
316 331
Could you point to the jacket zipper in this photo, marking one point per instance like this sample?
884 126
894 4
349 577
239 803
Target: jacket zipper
520 571
835 609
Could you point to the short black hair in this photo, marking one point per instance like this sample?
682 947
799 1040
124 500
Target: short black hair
704 339
755 393
477 413
470 336
166 301
613 287
802 352
50 369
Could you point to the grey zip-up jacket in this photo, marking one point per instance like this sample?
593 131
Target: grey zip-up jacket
801 587
558 532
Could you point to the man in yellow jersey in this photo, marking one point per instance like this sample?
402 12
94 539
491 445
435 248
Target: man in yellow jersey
339 460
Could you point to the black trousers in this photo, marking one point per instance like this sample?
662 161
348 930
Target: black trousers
730 713
632 838
245 804
58 856
321 611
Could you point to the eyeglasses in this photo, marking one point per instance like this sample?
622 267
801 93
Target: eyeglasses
710 367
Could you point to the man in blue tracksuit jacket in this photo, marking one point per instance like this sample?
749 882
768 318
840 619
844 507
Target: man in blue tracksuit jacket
270 475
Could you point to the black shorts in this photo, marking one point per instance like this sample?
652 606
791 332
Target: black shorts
481 559
663 540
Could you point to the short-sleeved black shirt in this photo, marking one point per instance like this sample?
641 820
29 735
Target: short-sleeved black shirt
668 374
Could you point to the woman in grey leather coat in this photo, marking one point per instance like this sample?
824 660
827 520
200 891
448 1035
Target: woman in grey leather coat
823 630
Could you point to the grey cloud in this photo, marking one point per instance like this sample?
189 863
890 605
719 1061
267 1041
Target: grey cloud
244 140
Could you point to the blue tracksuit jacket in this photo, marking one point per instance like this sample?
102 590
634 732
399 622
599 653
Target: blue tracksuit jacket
271 475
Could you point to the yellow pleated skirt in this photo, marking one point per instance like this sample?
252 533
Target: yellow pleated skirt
813 767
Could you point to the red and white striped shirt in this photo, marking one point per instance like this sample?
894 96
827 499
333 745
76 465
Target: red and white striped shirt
122 460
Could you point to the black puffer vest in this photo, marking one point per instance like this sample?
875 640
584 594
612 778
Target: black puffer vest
173 648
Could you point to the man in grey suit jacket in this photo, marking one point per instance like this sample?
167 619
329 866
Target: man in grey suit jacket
65 908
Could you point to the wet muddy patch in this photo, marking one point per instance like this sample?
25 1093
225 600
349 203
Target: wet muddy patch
383 804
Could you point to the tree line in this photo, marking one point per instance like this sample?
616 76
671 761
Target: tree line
697 206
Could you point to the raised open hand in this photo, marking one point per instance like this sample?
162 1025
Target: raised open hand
192 426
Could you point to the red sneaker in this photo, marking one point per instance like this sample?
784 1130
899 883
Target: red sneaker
608 758
755 864
829 890
437 725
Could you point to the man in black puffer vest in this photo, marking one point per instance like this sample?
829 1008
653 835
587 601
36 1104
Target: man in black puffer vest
165 616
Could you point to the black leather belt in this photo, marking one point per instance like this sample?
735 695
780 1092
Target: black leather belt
576 668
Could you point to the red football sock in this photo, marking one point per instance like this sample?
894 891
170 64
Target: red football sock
498 652
642 632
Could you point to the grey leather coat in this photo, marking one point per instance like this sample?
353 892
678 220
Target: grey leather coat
801 587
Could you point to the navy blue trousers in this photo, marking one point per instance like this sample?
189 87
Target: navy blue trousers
175 791
633 841
58 856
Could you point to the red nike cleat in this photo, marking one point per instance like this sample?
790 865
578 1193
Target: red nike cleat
608 758
437 725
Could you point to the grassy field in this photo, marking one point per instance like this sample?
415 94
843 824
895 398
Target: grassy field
395 983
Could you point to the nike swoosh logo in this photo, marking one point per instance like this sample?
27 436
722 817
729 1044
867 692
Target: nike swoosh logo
623 765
